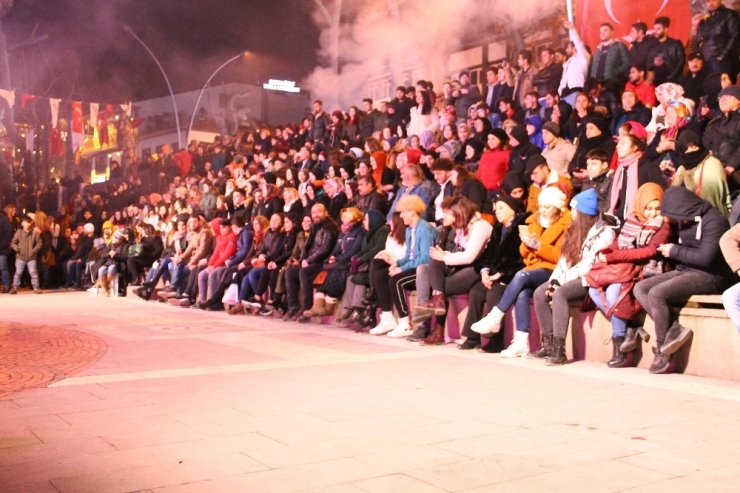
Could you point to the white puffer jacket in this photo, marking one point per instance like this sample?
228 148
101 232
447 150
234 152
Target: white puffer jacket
599 237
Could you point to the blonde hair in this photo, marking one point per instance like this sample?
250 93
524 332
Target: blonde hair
355 215
411 203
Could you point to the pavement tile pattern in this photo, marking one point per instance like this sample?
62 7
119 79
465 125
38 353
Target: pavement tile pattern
34 356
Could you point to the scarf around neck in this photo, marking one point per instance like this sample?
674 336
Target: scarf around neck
629 164
690 160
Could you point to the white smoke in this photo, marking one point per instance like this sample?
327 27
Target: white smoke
373 41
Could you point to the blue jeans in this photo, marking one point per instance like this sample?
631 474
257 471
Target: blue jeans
180 271
520 291
250 283
107 270
731 300
20 266
74 272
619 325
4 272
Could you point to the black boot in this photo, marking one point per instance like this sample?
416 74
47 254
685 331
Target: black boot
369 298
545 349
557 357
422 331
371 319
619 359
357 315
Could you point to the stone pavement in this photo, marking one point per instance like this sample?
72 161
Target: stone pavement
183 400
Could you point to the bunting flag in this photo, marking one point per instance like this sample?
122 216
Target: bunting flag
77 126
30 140
8 96
54 111
94 107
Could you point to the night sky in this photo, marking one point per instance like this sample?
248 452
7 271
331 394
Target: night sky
88 56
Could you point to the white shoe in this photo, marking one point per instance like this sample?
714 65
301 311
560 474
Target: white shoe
387 323
519 346
402 329
491 323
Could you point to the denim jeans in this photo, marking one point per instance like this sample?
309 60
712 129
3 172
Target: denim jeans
731 300
658 293
250 283
4 272
107 270
520 291
20 265
619 325
208 281
74 272
179 272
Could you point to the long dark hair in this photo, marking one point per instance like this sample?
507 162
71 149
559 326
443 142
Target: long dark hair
426 108
398 229
575 236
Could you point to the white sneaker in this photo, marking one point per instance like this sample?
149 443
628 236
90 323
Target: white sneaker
519 346
387 323
402 329
491 323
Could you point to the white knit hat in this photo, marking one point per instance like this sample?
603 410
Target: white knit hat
89 228
552 196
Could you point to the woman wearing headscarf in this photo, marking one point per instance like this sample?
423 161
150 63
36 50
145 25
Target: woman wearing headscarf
662 149
643 232
633 171
533 125
473 152
666 94
521 149
701 172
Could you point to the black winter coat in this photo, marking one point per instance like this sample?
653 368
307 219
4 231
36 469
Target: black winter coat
272 246
698 247
320 242
348 245
718 35
6 234
502 253
722 137
372 244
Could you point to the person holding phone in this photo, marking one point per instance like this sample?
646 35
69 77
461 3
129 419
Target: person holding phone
585 237
540 250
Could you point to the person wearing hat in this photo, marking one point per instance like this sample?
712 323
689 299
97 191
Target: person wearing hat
497 265
693 81
596 135
542 176
558 152
521 149
76 264
540 250
26 244
721 135
112 261
585 237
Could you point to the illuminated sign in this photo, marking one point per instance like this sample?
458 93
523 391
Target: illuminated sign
281 85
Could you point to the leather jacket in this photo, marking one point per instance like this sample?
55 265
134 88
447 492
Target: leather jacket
718 34
722 137
320 241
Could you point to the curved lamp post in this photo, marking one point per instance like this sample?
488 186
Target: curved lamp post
197 101
169 86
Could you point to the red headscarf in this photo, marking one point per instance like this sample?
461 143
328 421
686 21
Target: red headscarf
380 159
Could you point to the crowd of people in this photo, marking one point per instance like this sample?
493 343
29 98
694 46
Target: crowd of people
598 179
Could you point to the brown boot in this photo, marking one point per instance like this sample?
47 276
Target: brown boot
237 309
318 308
328 309
435 306
436 338
104 284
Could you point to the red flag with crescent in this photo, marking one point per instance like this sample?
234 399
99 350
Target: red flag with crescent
590 14
77 126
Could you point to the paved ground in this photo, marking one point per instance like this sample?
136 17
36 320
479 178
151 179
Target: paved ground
190 401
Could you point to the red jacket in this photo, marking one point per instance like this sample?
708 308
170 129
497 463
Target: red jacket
492 168
183 161
637 255
225 248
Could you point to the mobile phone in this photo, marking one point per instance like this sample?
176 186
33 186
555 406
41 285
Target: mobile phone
523 229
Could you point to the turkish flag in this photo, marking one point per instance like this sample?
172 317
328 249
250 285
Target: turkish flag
77 117
590 14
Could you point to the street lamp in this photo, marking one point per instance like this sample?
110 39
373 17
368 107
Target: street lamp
169 86
197 101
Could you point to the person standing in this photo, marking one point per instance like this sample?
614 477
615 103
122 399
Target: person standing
610 60
667 56
718 38
26 244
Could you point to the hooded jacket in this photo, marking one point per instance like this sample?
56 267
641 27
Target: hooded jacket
417 252
700 227
224 249
348 245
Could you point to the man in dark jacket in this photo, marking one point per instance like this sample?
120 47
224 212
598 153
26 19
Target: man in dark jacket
399 111
370 198
693 81
320 127
368 124
6 235
319 245
548 78
26 244
667 56
466 96
642 44
700 269
718 38
722 135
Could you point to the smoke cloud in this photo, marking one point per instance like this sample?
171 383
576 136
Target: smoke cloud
373 39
